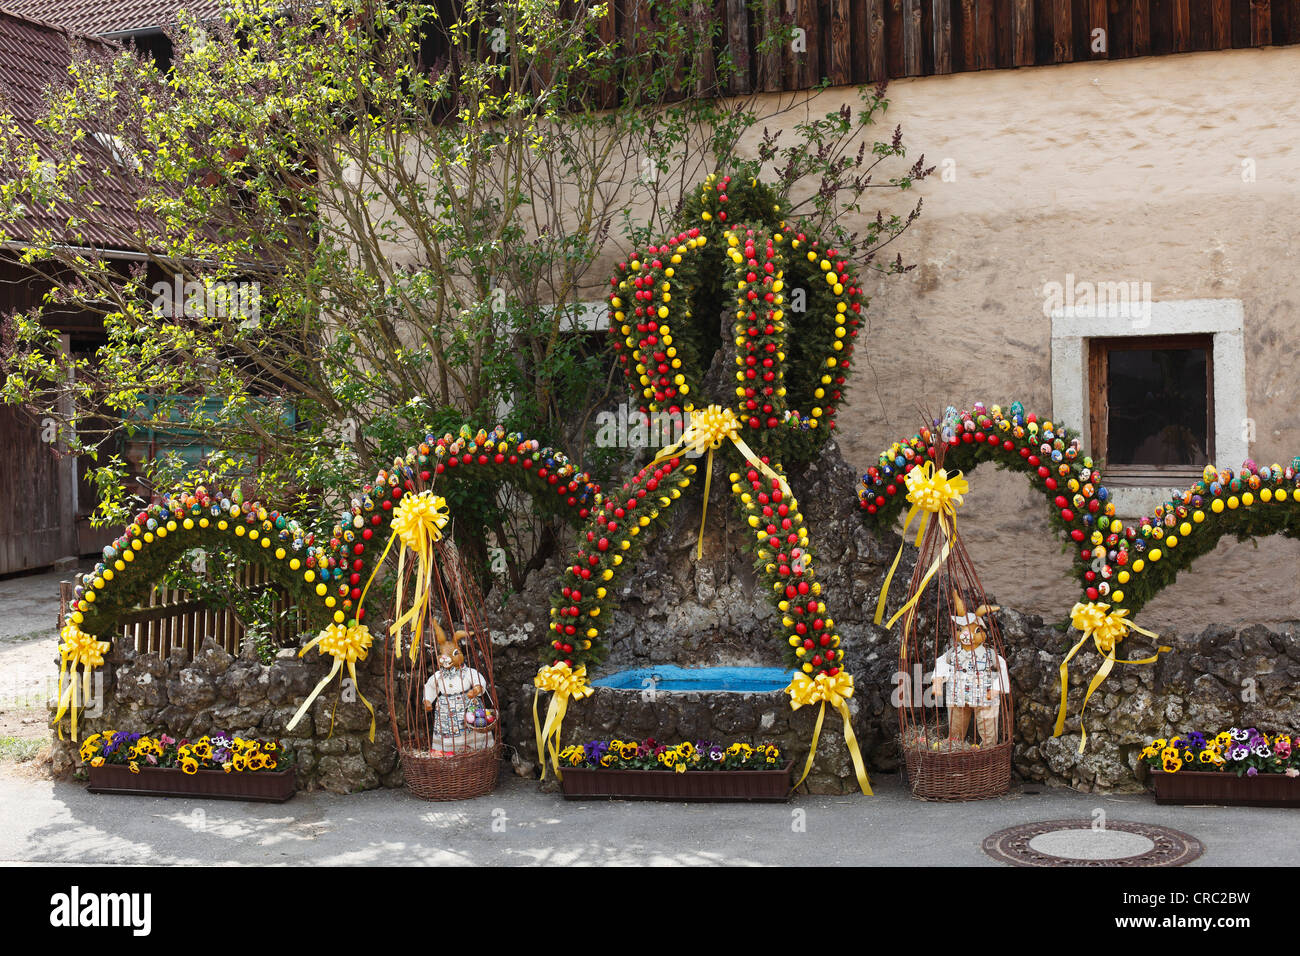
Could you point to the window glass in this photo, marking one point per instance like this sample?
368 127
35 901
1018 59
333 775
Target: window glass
1159 406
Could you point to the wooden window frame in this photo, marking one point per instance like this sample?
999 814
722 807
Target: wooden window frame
1099 406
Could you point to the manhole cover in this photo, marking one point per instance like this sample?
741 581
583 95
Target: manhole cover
1076 843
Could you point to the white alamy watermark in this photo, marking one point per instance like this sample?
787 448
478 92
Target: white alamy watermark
1085 299
631 428
204 299
44 691
76 909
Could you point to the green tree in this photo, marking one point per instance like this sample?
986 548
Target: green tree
379 221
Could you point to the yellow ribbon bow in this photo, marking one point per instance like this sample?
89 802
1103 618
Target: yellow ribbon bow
417 523
835 691
346 645
565 683
77 648
1106 630
932 492
706 433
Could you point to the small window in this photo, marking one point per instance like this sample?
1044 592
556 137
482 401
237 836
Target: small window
1152 412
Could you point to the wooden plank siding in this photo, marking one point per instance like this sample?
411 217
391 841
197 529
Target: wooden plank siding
865 41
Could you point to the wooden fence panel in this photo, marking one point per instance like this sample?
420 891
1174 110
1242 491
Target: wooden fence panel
171 622
1022 32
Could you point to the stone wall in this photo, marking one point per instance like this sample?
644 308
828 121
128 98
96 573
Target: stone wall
676 610
1224 676
239 695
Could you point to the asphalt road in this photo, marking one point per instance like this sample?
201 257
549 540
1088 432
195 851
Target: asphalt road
49 822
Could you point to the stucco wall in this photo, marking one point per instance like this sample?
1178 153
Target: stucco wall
1176 171
1125 171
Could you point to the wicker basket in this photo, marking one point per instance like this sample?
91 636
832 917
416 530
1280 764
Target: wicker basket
955 688
461 777
974 774
442 762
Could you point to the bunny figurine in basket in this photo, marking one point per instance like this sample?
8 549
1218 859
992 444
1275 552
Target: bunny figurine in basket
973 675
456 693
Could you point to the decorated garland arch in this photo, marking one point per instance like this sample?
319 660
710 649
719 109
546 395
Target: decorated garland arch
791 369
795 309
165 530
326 577
324 573
1123 563
1120 565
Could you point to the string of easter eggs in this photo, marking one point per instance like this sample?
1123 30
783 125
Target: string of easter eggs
612 540
1122 563
323 573
663 303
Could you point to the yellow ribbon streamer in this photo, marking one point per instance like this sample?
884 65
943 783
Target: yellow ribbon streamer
1106 630
346 645
835 691
417 523
565 683
77 648
932 492
706 433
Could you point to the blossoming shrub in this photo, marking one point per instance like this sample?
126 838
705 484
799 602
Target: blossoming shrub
209 752
1245 752
649 755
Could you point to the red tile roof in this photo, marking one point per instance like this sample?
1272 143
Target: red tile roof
100 17
34 57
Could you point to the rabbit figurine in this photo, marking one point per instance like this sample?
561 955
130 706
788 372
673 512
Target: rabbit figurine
452 691
971 676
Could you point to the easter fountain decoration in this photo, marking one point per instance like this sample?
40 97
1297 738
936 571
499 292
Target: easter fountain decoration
733 253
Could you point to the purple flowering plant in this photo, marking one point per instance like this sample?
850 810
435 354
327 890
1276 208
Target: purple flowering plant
1245 751
687 755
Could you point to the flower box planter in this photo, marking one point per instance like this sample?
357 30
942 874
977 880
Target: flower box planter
769 786
265 786
1196 787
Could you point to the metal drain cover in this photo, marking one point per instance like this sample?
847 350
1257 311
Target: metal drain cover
1076 843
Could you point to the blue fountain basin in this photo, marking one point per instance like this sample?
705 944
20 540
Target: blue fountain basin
670 677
